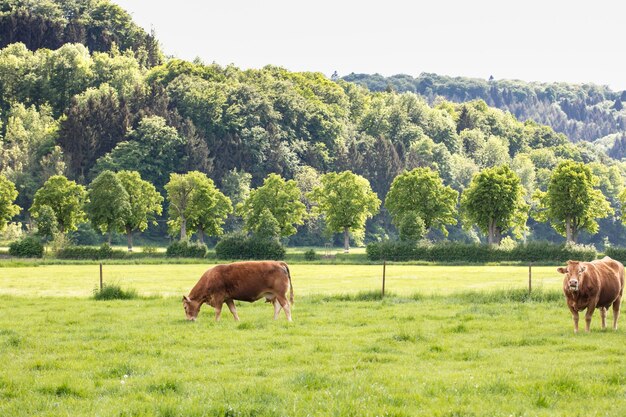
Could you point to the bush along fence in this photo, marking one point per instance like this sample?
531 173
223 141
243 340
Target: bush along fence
239 246
475 253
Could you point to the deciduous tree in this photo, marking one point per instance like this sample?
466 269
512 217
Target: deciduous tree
281 198
108 203
571 203
494 202
8 209
145 204
65 198
346 200
422 191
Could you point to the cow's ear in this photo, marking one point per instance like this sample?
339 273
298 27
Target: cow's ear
185 298
561 270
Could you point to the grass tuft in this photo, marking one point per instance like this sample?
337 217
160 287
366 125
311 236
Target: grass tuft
114 292
165 387
506 296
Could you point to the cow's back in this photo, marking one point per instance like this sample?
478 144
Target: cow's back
608 274
247 281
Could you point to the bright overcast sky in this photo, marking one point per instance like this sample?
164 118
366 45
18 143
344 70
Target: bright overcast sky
533 40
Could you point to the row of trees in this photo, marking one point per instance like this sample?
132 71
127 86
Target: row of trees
418 201
582 112
85 108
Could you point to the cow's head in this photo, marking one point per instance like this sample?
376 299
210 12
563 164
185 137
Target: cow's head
573 274
192 308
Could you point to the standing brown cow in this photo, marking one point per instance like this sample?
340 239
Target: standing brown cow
593 284
243 281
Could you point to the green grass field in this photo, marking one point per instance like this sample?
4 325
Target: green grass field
469 345
166 279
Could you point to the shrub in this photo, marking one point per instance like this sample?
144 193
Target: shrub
149 250
29 247
114 292
310 255
90 252
619 254
185 249
239 246
475 253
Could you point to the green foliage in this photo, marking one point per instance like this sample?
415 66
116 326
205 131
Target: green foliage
108 203
114 292
208 207
310 255
346 200
276 199
571 203
422 192
8 194
100 26
580 111
495 203
468 253
195 201
267 226
65 198
411 227
145 203
240 246
154 149
28 247
185 249
89 252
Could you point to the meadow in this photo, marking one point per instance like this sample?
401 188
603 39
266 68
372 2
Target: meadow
450 341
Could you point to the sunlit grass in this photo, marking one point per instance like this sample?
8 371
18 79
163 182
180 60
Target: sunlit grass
168 279
404 356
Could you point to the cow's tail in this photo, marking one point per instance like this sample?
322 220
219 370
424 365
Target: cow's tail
290 286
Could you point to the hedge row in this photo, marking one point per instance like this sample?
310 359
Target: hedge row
241 247
89 252
185 249
619 254
459 252
29 247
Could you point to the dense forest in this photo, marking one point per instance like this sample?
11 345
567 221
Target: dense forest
582 112
84 90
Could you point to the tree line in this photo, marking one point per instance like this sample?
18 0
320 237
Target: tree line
418 201
81 109
586 112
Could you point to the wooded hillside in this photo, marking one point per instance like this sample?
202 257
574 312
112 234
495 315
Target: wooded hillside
100 98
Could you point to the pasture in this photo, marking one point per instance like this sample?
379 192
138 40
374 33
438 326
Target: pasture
470 345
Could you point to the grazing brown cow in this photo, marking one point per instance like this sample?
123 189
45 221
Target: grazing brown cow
593 284
243 281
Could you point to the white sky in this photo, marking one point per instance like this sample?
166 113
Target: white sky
533 40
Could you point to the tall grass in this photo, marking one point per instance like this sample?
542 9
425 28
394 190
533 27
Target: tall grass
114 292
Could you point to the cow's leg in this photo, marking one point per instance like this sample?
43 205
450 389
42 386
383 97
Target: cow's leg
603 317
233 310
285 304
574 317
616 305
588 315
218 312
276 308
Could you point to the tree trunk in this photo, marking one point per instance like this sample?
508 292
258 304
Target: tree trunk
109 238
129 238
183 228
491 232
200 235
569 235
346 240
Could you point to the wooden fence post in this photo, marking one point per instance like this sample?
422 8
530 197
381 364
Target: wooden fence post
100 276
384 270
